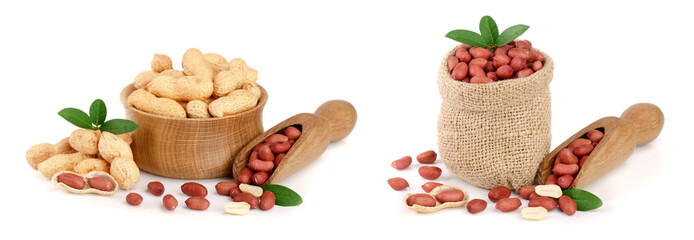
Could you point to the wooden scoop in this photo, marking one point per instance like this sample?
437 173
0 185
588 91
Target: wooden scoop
332 121
639 124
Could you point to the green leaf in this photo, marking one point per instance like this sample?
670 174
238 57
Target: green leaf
468 37
97 112
283 195
585 200
489 30
119 126
77 117
510 33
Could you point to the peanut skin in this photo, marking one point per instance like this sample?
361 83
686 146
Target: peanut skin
498 193
267 200
402 163
429 172
197 203
508 204
427 157
476 205
194 189
427 187
460 71
422 199
398 183
450 196
155 188
567 205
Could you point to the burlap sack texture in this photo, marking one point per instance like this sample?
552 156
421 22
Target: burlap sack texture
495 134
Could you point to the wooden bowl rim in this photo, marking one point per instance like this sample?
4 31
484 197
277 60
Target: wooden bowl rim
127 90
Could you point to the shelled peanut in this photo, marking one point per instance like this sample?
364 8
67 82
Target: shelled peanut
87 151
570 160
208 86
517 59
266 156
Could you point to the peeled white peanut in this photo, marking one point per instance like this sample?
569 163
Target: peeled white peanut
251 189
534 213
237 208
552 190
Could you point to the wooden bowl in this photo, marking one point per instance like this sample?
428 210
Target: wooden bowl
191 148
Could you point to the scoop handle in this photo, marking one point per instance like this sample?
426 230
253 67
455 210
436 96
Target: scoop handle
646 119
340 116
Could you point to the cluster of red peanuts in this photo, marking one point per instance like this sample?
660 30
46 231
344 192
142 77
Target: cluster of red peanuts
479 65
570 160
266 156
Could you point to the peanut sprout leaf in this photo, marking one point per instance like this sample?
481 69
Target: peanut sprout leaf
97 112
467 37
119 126
77 117
489 30
585 200
510 34
284 196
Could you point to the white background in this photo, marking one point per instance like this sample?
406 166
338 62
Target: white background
382 57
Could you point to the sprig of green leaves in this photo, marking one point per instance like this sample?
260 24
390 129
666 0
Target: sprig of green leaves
97 119
489 36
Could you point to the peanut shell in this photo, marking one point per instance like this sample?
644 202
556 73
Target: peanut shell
125 172
60 162
87 189
92 164
439 205
112 146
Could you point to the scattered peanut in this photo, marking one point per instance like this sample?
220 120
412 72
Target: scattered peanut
402 163
567 205
194 189
250 189
398 183
133 199
224 188
508 204
544 202
498 193
427 157
246 197
197 203
156 188
534 213
429 172
525 191
237 208
170 202
267 200
476 205
552 190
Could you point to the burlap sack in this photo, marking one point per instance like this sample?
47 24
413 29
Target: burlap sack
495 134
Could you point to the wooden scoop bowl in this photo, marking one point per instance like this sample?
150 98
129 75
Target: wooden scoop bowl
639 124
332 121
